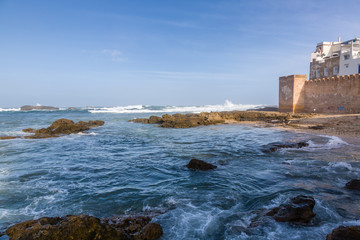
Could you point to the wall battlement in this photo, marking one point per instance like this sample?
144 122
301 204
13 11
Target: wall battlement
340 94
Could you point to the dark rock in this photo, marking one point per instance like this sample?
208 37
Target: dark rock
298 210
316 127
345 233
275 146
196 164
353 184
28 108
265 109
86 227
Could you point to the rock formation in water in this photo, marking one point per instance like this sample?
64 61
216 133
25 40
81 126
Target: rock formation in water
204 119
196 164
276 146
345 233
298 210
59 127
84 227
353 184
29 107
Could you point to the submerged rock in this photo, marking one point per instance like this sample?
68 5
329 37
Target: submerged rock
298 210
86 227
29 107
8 137
342 233
353 184
59 127
276 146
196 164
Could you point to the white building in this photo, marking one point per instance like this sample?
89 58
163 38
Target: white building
335 59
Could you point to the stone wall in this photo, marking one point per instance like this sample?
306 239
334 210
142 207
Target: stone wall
328 63
325 95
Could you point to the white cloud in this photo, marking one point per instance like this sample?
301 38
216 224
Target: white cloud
115 55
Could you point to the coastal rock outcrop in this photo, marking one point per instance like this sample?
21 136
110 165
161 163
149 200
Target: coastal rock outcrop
29 107
196 164
59 127
273 147
342 233
212 118
298 210
84 227
353 184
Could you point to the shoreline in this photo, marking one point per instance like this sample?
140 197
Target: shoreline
345 127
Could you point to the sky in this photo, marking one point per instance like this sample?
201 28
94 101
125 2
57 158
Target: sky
160 52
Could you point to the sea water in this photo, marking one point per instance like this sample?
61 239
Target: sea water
129 168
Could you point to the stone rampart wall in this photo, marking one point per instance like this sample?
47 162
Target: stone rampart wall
339 94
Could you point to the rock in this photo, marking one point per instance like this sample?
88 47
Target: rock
28 108
345 233
59 127
29 130
151 231
72 108
212 118
274 147
86 227
298 210
70 227
353 184
196 164
8 137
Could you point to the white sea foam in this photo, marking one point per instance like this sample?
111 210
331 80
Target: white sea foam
332 142
227 106
9 109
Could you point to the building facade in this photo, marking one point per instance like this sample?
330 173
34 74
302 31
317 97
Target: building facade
332 59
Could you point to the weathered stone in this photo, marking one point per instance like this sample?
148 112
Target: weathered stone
59 127
151 231
8 137
212 118
353 184
298 210
345 233
196 164
29 130
81 227
29 107
86 227
274 147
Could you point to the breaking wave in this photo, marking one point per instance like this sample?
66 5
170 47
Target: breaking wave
9 109
227 106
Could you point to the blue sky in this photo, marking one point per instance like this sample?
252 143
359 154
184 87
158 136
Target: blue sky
189 52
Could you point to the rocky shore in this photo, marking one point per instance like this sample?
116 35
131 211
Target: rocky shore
58 128
84 227
212 118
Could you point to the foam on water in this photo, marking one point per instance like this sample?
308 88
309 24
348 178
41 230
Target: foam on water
227 106
9 109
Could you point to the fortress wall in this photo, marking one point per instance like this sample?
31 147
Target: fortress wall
291 93
339 94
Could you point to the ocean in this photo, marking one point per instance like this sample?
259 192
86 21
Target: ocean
129 168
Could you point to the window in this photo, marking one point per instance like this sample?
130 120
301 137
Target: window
326 72
346 57
359 68
317 73
346 65
335 70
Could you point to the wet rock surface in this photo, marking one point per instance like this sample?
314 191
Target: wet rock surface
84 227
354 184
205 118
298 210
196 164
59 127
345 233
29 108
273 147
